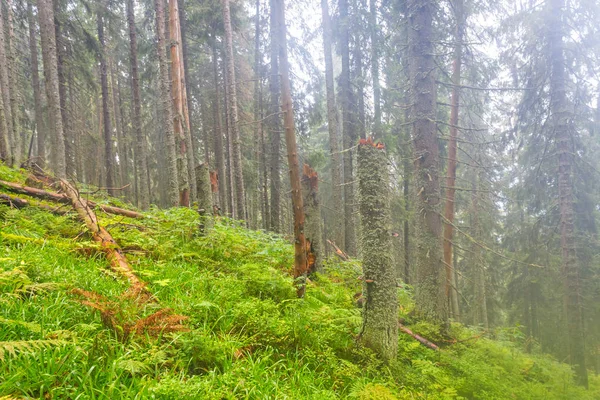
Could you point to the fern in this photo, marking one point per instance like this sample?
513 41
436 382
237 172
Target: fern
20 346
32 326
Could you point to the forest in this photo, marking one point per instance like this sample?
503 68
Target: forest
302 199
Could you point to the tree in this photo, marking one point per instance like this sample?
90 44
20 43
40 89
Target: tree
136 112
218 131
300 261
275 122
5 81
240 200
430 295
46 21
374 31
312 218
40 126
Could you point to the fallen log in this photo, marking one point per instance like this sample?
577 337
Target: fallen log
418 338
64 199
117 260
338 252
18 202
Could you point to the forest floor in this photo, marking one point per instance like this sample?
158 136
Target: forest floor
224 322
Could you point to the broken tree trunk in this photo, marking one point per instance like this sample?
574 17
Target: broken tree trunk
338 252
418 338
312 218
62 198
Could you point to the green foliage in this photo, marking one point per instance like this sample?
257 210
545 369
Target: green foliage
249 336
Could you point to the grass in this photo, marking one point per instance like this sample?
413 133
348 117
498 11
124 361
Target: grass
248 336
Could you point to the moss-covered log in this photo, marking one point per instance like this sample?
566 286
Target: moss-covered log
380 309
312 218
204 196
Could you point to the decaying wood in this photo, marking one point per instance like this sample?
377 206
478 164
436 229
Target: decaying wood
63 198
338 252
18 202
117 260
418 338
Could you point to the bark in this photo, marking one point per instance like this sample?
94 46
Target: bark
240 199
312 218
136 112
47 33
349 134
419 338
360 88
561 116
430 297
61 56
406 223
380 308
121 171
375 68
109 159
180 118
337 222
275 122
300 261
480 316
451 294
205 205
338 252
5 88
166 106
219 158
13 68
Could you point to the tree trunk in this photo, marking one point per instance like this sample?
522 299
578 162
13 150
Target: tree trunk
120 172
275 123
136 112
13 68
166 107
360 88
349 134
430 297
109 159
219 158
561 116
180 119
312 218
40 126
452 147
240 199
480 316
380 292
337 222
300 262
5 79
205 205
375 68
46 20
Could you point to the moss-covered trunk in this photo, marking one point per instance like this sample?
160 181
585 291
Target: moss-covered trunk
380 309
204 196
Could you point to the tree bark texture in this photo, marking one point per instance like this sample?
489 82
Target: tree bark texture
430 294
374 31
218 142
312 219
275 123
205 204
5 81
40 126
380 308
17 142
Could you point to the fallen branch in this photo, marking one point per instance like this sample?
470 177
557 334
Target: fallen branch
418 338
63 198
18 202
339 252
117 260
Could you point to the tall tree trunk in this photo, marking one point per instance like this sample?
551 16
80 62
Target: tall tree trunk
240 198
205 204
136 112
430 295
561 115
360 87
219 158
452 147
40 126
46 20
14 91
337 222
349 134
228 151
480 315
114 100
374 30
166 107
180 118
109 159
5 80
300 262
275 123
380 308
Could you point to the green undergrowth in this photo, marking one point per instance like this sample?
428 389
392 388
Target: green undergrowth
247 335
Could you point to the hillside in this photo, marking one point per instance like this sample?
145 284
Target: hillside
233 328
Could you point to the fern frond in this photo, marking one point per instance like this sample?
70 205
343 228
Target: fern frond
19 346
32 326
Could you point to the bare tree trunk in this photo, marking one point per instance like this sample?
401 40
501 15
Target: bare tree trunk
40 126
219 158
114 106
452 148
360 88
430 286
561 116
375 68
380 308
109 159
349 134
166 107
14 91
300 262
275 123
205 205
312 218
46 20
136 112
5 79
480 316
337 222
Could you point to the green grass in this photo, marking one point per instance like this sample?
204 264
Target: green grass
248 336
